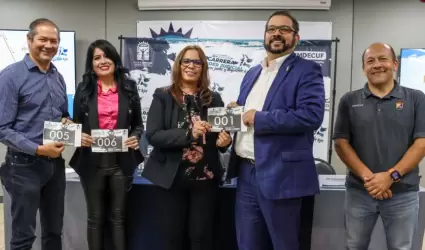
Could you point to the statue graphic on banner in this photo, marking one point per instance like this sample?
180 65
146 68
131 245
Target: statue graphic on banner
143 51
142 77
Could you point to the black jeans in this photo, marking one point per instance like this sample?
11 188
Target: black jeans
189 206
106 198
35 183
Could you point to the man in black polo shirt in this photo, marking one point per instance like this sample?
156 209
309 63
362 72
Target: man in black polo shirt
380 136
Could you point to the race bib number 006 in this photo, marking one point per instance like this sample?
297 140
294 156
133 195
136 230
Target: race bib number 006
108 141
228 119
69 134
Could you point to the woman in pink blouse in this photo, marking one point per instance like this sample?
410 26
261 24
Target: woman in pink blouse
106 99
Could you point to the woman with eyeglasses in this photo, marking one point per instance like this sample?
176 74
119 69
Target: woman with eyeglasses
184 163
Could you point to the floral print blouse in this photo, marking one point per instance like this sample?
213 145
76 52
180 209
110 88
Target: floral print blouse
193 165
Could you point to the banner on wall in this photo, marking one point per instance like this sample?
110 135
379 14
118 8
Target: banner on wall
231 51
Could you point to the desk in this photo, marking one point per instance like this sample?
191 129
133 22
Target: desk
327 231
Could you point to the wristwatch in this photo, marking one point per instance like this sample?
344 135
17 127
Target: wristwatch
395 175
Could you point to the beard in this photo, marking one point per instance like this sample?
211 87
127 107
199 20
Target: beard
285 47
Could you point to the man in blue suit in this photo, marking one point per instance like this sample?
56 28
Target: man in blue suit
284 99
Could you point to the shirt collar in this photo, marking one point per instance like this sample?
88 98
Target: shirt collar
395 92
273 64
110 91
31 64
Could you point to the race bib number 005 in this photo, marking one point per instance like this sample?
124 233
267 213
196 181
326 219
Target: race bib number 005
69 134
228 119
108 141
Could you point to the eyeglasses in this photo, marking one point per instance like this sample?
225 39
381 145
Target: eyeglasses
284 29
186 62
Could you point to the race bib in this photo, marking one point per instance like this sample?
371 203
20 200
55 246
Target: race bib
69 134
108 141
228 119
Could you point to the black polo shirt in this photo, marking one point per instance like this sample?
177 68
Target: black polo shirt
381 130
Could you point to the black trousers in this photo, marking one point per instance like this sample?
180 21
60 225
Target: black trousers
106 198
35 183
186 211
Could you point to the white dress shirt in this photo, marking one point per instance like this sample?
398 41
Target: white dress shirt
244 145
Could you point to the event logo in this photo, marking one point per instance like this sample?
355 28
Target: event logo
319 134
171 33
312 55
226 63
62 55
143 51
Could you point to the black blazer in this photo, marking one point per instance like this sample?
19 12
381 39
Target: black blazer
168 141
129 117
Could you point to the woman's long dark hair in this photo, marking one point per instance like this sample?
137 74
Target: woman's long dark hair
89 83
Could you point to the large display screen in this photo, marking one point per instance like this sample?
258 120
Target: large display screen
412 68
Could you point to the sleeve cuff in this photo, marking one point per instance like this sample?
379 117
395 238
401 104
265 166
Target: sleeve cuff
340 136
418 135
30 148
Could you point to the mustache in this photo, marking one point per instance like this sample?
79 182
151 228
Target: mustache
278 38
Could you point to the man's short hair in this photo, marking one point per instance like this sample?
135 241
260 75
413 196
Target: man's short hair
37 22
392 54
295 24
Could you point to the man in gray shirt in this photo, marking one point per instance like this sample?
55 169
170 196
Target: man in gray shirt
32 91
380 136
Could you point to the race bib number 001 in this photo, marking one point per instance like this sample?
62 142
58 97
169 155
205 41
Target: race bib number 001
228 119
69 134
108 141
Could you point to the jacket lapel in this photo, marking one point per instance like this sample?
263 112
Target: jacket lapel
284 69
93 111
123 109
247 86
174 113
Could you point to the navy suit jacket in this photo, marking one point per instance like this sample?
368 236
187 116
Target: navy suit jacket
284 129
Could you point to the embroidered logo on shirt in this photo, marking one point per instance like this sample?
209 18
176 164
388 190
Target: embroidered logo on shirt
399 105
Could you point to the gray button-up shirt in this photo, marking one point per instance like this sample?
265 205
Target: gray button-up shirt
28 97
381 130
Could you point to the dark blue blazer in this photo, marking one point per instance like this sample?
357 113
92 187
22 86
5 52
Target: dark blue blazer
283 130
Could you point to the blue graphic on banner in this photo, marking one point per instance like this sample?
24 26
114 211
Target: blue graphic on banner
62 55
71 105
